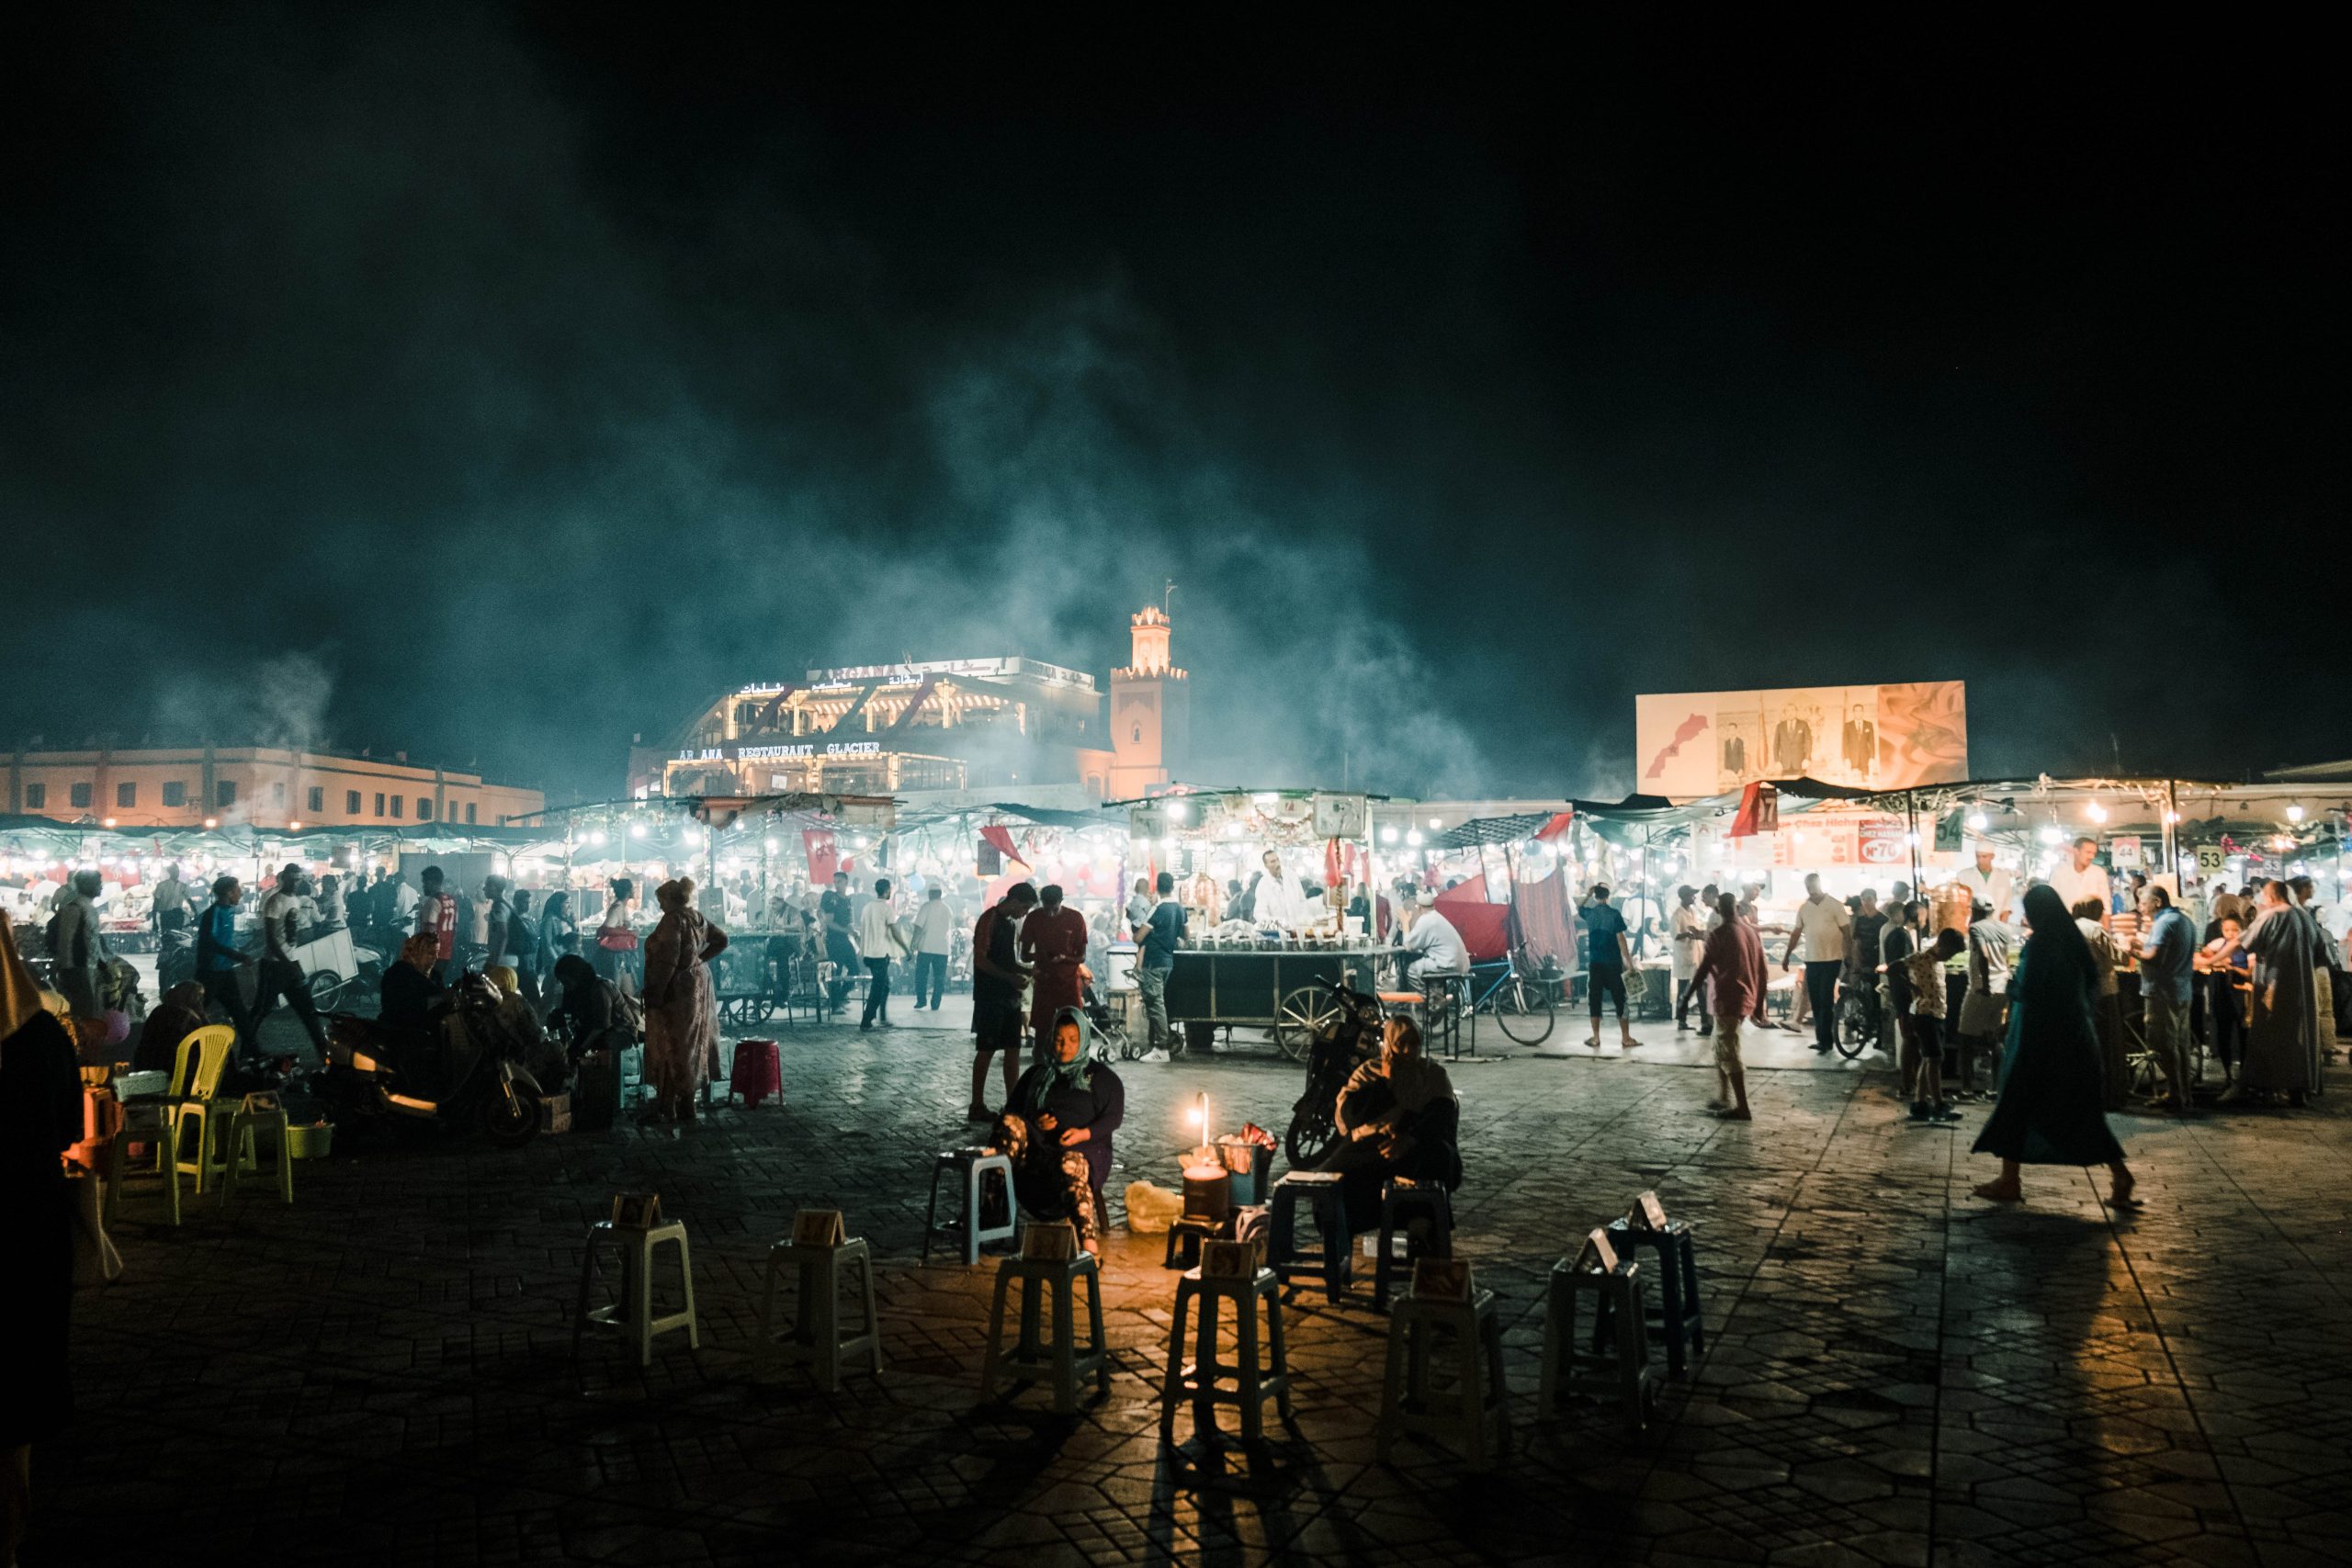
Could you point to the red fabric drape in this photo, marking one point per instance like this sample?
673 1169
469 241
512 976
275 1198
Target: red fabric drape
1485 928
1546 924
824 856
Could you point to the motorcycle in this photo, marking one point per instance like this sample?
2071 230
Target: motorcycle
470 1071
1349 1038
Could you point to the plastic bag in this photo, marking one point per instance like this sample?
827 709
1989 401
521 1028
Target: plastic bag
1151 1210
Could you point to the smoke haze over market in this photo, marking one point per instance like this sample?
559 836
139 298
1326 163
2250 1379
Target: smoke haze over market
498 384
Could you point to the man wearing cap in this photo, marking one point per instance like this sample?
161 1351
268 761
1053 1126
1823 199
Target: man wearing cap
281 973
2082 877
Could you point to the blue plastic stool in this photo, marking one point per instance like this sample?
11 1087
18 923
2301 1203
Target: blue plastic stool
976 1166
1321 1191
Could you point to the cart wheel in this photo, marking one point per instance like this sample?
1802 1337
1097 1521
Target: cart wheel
1301 1016
326 990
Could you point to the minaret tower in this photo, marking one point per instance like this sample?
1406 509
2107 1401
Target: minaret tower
1151 709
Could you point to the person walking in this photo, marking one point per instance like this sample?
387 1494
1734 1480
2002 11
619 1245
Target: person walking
1053 944
523 945
78 945
281 971
1983 1008
998 979
169 903
878 942
934 939
2049 1111
1687 939
436 916
1822 925
2168 973
1158 936
218 957
1732 961
681 1007
1608 954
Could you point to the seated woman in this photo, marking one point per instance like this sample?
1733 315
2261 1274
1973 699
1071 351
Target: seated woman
549 1067
587 1015
1056 1128
179 1014
1398 1117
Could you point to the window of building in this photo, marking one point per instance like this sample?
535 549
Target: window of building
36 797
127 794
174 792
351 803
380 802
425 808
470 813
224 792
277 792
80 793
317 801
396 801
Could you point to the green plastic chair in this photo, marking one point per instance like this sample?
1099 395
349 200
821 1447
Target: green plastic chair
202 1058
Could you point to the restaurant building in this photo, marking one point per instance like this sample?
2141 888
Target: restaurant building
937 724
202 784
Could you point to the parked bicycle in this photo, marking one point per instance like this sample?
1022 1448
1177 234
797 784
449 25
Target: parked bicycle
1523 1003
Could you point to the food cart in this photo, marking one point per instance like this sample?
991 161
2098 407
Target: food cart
1253 974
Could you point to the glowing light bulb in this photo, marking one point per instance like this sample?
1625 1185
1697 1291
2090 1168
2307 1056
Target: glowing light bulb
772 846
1178 811
107 823
1978 821
2095 811
293 826
2053 834
2294 814
636 830
598 837
1388 834
1414 838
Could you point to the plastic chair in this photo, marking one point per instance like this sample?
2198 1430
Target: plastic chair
814 1333
973 1167
1255 1378
1063 1361
151 1116
202 1057
633 1314
1412 1403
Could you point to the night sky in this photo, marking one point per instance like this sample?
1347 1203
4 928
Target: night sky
496 385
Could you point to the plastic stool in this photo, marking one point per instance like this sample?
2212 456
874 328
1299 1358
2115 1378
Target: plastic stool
1063 1361
1320 1189
242 1124
1399 1201
1408 1403
975 1164
1617 1364
1185 1233
1677 1320
1441 998
814 1334
756 1073
633 1313
1199 1380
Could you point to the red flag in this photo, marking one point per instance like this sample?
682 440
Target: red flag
1002 838
1760 811
824 858
1551 831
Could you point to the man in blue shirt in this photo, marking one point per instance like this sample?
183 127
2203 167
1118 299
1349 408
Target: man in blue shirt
1157 939
218 958
1606 955
2168 955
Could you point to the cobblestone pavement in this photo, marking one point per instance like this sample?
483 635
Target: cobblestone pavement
1896 1371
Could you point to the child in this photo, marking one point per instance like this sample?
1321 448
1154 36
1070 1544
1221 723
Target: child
1923 1056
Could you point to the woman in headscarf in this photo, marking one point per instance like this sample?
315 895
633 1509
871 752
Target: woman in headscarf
680 1006
2051 1109
1398 1117
40 1117
177 1015
1056 1128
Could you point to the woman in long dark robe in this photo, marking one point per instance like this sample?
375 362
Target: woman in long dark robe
2052 1109
40 1116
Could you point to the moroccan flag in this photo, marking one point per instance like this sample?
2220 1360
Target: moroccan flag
824 857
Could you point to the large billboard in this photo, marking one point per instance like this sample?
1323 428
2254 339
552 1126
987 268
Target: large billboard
1699 743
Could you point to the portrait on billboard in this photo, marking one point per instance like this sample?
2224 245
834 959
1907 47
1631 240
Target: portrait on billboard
1692 744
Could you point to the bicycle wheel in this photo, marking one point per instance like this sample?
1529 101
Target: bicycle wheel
1855 1033
1523 1011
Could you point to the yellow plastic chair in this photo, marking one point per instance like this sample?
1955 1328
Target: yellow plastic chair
245 1121
195 1092
158 1118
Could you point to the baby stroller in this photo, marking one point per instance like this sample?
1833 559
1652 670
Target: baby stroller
1112 1041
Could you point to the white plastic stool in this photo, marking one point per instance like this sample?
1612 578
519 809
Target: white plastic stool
633 1313
814 1334
1255 1379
